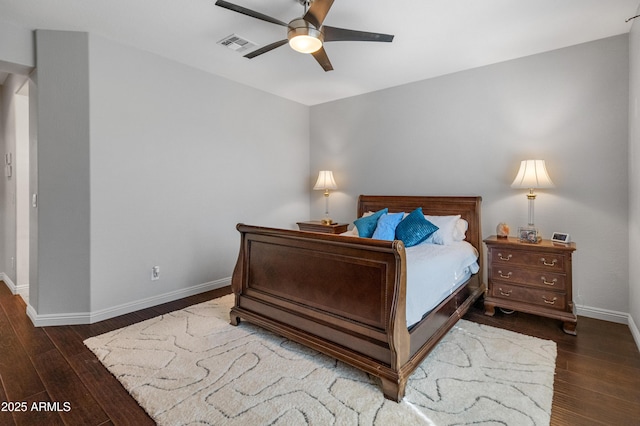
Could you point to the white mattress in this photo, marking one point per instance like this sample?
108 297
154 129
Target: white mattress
434 272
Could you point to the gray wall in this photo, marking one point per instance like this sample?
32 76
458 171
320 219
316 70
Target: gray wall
141 161
63 186
634 178
17 53
465 134
178 158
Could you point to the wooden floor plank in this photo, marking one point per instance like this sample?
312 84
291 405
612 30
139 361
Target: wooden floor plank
607 387
65 388
6 416
597 406
563 417
109 392
38 412
32 338
625 377
20 379
66 338
96 329
106 389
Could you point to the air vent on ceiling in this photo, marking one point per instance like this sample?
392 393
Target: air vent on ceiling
237 43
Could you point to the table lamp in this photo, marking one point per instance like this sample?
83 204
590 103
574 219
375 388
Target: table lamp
325 182
532 175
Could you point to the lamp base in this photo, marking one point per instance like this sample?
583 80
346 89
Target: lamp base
326 221
529 234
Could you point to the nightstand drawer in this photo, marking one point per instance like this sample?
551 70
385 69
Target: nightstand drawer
548 299
532 277
547 260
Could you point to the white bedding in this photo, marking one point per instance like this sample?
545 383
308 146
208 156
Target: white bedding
434 272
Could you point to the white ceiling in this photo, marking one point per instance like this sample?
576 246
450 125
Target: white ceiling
432 37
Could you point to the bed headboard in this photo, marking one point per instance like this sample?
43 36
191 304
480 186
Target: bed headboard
469 208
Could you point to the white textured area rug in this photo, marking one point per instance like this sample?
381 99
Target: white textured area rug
192 367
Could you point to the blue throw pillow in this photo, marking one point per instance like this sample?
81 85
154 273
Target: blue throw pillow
414 228
386 228
367 225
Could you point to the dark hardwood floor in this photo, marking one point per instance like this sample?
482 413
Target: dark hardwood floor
597 373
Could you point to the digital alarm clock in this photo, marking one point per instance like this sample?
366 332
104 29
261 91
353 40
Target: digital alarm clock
560 237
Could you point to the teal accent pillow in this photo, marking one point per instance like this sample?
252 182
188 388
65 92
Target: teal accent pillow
386 228
414 228
367 224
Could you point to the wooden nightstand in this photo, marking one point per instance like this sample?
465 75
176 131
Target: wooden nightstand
533 278
317 226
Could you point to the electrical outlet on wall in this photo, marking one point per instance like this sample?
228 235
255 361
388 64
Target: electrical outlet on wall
155 273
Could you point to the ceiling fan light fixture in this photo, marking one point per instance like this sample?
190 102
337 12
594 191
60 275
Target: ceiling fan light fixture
303 37
305 44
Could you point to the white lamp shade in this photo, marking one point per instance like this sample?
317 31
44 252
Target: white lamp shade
532 174
325 180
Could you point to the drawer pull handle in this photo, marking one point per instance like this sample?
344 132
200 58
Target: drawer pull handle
506 259
502 292
544 281
545 263
508 276
549 302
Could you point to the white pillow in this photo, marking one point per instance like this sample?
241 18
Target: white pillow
460 231
352 233
446 227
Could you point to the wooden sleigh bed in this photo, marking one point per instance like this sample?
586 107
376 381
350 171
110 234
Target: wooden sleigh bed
346 296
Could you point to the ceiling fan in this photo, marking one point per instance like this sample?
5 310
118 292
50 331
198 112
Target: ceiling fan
307 34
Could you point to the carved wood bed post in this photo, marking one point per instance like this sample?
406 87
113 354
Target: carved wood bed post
237 277
397 332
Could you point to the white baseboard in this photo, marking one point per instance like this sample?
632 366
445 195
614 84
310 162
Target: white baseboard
23 291
76 318
602 314
12 287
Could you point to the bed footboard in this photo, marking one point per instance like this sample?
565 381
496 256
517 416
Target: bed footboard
343 296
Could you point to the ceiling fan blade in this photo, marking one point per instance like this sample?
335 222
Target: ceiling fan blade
323 59
266 49
317 12
341 34
249 12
